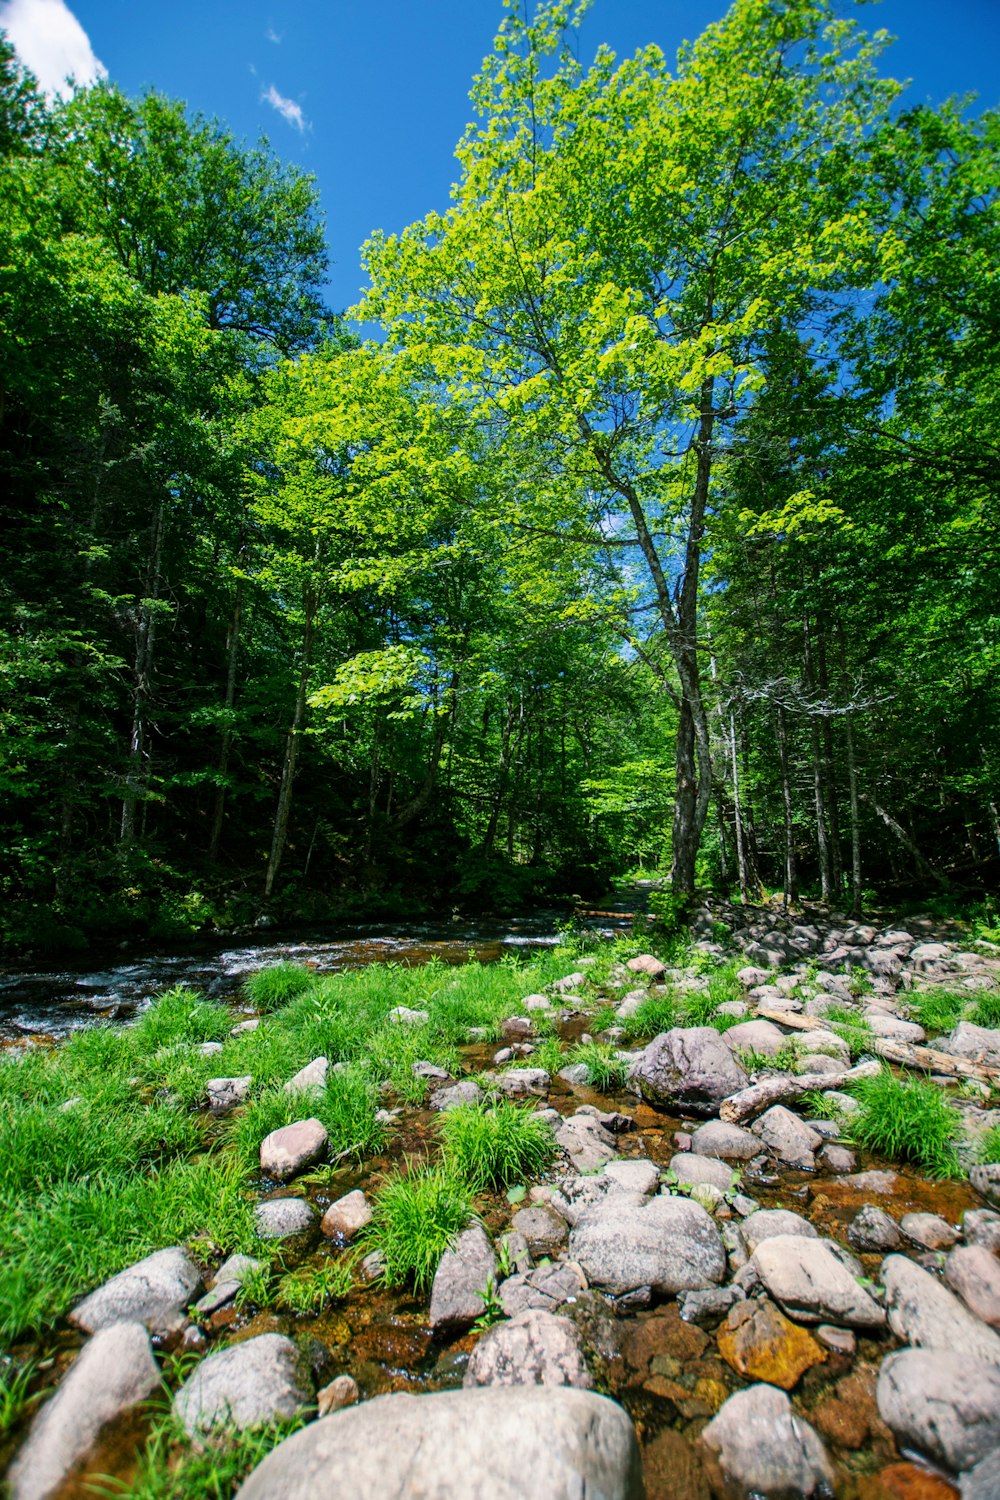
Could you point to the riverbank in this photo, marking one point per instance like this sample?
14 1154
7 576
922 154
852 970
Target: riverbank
432 1093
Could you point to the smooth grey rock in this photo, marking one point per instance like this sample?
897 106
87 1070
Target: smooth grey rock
691 1169
534 1348
928 1230
463 1272
791 1139
709 1305
586 1142
944 1403
669 1244
728 1142
647 963
812 1284
872 1229
832 1045
982 1482
981 1226
402 1015
518 1083
766 1223
291 1149
280 1218
925 1313
974 1274
766 1448
974 1043
986 1180
542 1227
689 1068
895 1030
347 1216
819 1062
497 1443
310 1080
156 1291
114 1371
341 1392
224 1094
635 1176
430 1071
466 1091
547 1287
756 1036
838 1158
256 1381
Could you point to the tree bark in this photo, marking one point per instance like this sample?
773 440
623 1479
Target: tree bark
142 674
225 744
284 808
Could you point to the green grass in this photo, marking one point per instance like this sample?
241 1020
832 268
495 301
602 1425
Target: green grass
907 1119
416 1216
14 1397
310 1288
785 1060
346 1108
277 984
173 1468
256 1288
658 1013
988 1145
936 1010
491 1147
986 1011
605 1070
852 1028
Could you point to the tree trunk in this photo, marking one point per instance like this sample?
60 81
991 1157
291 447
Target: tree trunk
284 808
740 831
489 838
790 879
232 657
142 673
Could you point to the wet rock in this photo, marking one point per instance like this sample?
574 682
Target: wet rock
709 1305
293 1148
464 1092
341 1392
728 1142
462 1274
946 1405
790 1138
114 1371
156 1291
981 1226
646 963
281 1218
690 1170
837 1340
534 1348
586 1142
545 1287
983 1482
689 1068
837 1158
402 1015
848 1416
480 1444
669 1244
636 1176
810 1283
925 1313
766 1448
766 1223
928 1230
516 1028
873 1230
224 1094
310 1080
520 1083
256 1381
762 1344
544 1229
974 1043
986 1180
974 1274
349 1214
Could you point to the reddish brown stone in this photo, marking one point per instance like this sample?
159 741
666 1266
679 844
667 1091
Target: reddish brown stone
906 1482
849 1417
673 1469
665 1333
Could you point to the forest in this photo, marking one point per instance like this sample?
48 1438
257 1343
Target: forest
643 514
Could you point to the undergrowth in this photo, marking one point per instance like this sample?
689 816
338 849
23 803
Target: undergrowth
416 1216
491 1147
907 1119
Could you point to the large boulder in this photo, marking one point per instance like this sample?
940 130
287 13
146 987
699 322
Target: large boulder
925 1313
974 1043
281 1218
156 1291
974 1274
256 1381
943 1402
765 1448
668 1244
692 1170
729 1142
462 1275
812 1284
689 1068
114 1371
291 1149
767 1223
793 1141
534 1348
755 1036
586 1142
491 1444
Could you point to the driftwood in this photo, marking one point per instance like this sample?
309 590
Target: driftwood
760 1096
904 1054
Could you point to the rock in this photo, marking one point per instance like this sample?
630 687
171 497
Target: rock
924 1313
571 982
986 1180
928 1230
636 1176
974 1273
310 1080
280 1218
980 1226
586 1142
872 1229
895 1030
244 1026
516 1028
249 1383
464 1092
819 1062
646 964
930 957
689 1068
839 1340
810 1283
496 1443
224 1094
534 1348
832 1045
537 1002
542 1228
765 1448
749 978
974 1043
114 1371
209 1049
546 1287
729 1142
341 1392
761 1344
402 1015
945 1404
766 1223
838 1158
430 1071
709 1305
790 1138
291 1149
519 1083
669 1244
848 1414
983 1481
237 1268
755 1036
630 1003
462 1274
690 1169
156 1291
349 1214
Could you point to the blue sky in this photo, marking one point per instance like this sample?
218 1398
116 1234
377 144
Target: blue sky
373 97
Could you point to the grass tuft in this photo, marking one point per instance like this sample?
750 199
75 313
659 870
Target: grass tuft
936 1010
415 1218
658 1013
491 1148
987 1011
606 1071
310 1288
277 984
907 1119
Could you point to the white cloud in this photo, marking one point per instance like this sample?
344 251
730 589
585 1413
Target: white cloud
273 36
51 42
287 108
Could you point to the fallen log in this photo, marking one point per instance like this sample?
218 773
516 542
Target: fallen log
754 1100
904 1054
